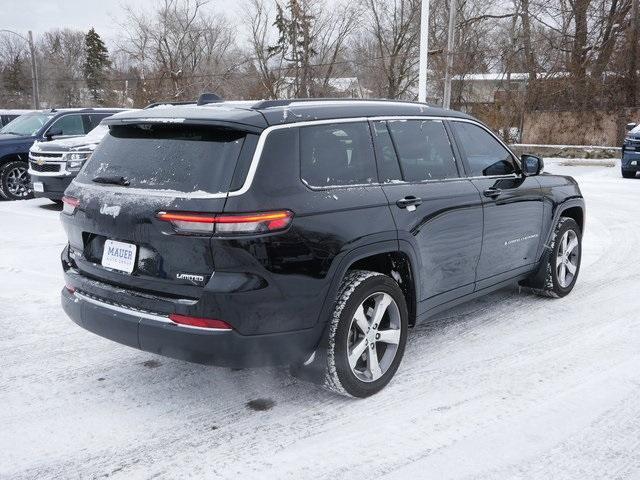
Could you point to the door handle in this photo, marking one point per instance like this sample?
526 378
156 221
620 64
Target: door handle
492 192
409 201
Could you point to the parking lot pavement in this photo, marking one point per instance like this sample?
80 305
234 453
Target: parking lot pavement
509 386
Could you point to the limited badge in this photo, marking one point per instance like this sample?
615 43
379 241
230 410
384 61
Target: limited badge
194 278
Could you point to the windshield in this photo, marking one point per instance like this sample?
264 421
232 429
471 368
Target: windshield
26 125
166 157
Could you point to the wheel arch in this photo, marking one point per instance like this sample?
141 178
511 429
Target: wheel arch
397 260
572 208
20 156
576 213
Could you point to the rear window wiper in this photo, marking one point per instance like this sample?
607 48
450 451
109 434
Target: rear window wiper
112 180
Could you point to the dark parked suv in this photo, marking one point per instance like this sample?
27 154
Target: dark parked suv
307 233
630 162
17 137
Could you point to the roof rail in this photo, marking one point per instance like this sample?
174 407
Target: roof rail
205 98
155 104
284 102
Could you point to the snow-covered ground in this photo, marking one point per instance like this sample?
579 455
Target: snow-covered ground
509 386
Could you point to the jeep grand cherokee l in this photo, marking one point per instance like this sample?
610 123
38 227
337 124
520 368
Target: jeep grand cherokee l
307 233
17 137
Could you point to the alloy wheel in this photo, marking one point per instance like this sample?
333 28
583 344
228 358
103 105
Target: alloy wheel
18 183
567 258
374 335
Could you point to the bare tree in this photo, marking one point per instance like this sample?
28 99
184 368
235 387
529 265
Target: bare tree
394 28
269 63
333 29
62 55
180 49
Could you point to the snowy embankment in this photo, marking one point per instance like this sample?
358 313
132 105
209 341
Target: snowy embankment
569 151
508 386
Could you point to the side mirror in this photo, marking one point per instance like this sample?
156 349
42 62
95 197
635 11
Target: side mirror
531 165
53 132
631 126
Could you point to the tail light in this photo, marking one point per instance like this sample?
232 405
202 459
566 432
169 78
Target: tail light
69 204
199 322
228 224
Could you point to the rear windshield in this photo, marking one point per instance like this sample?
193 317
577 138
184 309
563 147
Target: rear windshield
185 158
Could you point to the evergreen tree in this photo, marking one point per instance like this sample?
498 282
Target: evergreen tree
296 42
16 83
96 64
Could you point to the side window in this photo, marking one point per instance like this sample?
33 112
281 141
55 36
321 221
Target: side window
93 119
485 155
68 125
337 154
388 166
424 150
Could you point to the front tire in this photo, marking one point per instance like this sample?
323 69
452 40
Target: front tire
15 183
563 265
367 334
628 174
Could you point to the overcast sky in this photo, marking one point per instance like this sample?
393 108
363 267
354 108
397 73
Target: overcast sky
103 15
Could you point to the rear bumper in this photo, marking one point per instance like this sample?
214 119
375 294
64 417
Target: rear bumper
54 187
155 333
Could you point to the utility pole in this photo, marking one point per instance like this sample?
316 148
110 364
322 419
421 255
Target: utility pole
34 69
424 51
34 74
446 100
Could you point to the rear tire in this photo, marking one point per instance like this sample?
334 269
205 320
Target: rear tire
628 174
15 183
367 334
563 265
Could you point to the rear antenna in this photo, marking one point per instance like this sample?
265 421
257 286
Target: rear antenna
208 98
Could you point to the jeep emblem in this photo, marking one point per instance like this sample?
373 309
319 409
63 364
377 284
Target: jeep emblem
112 211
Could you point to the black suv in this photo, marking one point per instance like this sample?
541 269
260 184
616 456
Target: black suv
17 137
630 161
307 233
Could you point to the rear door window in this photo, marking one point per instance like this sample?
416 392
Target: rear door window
485 155
184 158
424 150
337 154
